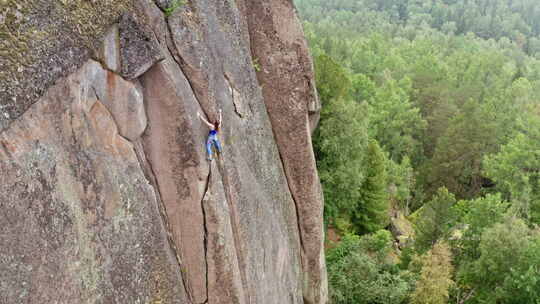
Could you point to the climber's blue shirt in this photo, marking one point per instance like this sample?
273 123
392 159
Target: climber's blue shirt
213 132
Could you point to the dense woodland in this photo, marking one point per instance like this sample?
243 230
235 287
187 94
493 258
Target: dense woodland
428 148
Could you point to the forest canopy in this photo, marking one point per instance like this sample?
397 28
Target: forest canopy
429 145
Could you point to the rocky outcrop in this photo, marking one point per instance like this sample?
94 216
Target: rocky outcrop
402 229
106 194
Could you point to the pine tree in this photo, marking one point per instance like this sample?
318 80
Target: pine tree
457 162
372 211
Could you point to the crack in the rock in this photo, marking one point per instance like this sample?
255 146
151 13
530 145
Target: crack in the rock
173 52
5 149
104 65
236 107
207 186
96 93
293 198
174 55
152 180
235 230
150 176
300 230
287 179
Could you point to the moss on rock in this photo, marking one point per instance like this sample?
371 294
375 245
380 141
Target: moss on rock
43 40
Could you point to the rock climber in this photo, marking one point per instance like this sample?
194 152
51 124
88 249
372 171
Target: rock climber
212 135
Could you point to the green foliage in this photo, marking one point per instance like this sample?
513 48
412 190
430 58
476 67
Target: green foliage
457 161
440 100
420 97
173 6
516 171
343 224
256 64
525 281
401 181
340 145
371 213
443 100
378 242
394 122
435 221
478 215
332 80
436 276
515 21
406 258
363 88
507 269
355 277
340 142
349 243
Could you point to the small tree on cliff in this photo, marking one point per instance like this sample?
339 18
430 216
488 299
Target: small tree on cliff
372 211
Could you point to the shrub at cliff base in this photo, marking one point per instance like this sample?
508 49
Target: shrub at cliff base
358 271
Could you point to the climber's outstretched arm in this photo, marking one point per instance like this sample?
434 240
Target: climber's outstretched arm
220 118
211 126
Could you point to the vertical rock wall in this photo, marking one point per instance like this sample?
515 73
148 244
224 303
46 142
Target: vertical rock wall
286 77
106 195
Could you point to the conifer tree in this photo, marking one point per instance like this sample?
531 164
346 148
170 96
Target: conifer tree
372 212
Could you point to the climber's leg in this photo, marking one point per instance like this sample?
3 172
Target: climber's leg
218 145
209 148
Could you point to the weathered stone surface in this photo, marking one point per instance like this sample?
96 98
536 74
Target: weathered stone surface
110 52
222 261
79 220
278 44
262 212
138 50
124 99
178 162
206 34
262 218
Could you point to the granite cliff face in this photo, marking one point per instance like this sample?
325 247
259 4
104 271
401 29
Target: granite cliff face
106 195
